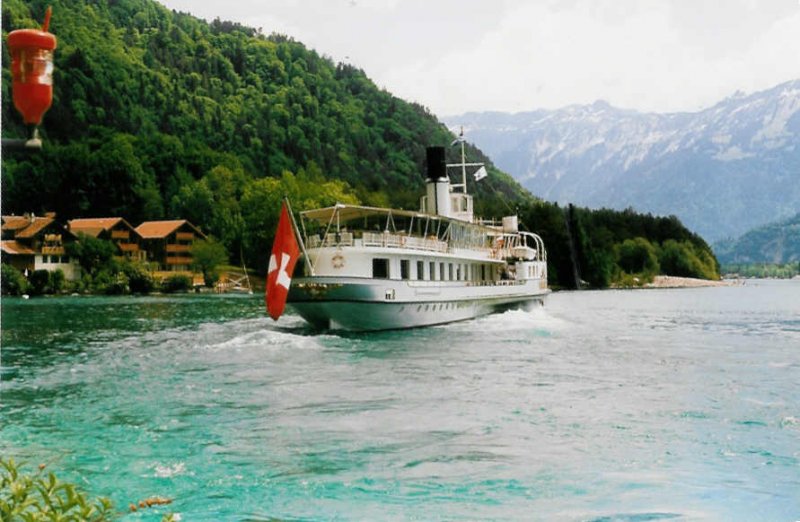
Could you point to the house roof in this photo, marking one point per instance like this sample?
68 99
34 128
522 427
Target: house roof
26 226
93 226
161 229
16 249
36 225
15 222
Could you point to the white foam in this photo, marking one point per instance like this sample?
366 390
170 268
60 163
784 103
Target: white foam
166 471
536 319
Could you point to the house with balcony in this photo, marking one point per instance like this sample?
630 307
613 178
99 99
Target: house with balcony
31 242
114 229
169 243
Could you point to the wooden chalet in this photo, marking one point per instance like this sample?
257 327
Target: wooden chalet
169 243
114 229
33 242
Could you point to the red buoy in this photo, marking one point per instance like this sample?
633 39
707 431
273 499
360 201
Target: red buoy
32 70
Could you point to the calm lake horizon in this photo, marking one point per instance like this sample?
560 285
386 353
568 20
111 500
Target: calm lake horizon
630 405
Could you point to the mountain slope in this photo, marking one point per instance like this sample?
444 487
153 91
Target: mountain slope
157 115
776 243
723 171
148 98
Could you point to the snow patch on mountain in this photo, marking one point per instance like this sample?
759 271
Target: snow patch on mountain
722 170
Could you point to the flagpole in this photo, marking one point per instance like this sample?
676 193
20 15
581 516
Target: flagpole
463 163
297 234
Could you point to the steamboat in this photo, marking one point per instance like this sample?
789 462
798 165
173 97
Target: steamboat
367 268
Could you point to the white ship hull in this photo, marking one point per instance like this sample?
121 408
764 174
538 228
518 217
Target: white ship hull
366 305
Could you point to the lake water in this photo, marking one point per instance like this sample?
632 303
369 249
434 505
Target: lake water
616 405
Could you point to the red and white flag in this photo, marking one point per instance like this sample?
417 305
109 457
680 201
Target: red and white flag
285 253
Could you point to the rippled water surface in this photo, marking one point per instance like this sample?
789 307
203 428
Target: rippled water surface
615 405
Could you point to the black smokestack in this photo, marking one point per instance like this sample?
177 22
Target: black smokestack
437 168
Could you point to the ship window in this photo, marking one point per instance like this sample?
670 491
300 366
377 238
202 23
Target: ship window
450 271
380 268
405 269
432 273
483 272
458 272
420 270
441 271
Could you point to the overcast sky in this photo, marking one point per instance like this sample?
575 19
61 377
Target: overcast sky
455 56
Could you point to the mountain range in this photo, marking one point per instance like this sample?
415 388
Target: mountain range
723 171
776 243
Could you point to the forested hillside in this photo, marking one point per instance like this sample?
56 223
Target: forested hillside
776 243
158 114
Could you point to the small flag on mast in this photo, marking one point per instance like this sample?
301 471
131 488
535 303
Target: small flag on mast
285 253
480 174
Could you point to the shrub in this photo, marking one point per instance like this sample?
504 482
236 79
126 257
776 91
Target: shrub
56 281
13 282
99 282
680 259
118 285
43 497
39 282
176 283
625 280
139 279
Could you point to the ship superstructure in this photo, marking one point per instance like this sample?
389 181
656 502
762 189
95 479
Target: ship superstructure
368 268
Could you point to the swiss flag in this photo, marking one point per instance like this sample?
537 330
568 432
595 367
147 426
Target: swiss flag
285 253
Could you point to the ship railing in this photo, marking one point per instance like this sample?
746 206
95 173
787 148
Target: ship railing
331 239
381 240
385 239
496 282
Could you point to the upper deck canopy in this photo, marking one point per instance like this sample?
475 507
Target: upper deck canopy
350 212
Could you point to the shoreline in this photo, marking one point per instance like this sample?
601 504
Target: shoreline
663 281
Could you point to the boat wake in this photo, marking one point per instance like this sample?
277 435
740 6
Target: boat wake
538 319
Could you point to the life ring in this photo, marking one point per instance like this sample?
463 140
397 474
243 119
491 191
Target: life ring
337 260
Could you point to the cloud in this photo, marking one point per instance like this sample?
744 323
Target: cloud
512 55
655 56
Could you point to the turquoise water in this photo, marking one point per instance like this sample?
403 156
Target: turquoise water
615 405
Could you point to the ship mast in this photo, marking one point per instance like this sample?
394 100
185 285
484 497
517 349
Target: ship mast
463 164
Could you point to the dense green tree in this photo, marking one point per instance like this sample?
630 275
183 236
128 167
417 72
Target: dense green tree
261 204
207 256
762 270
93 254
681 258
637 255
